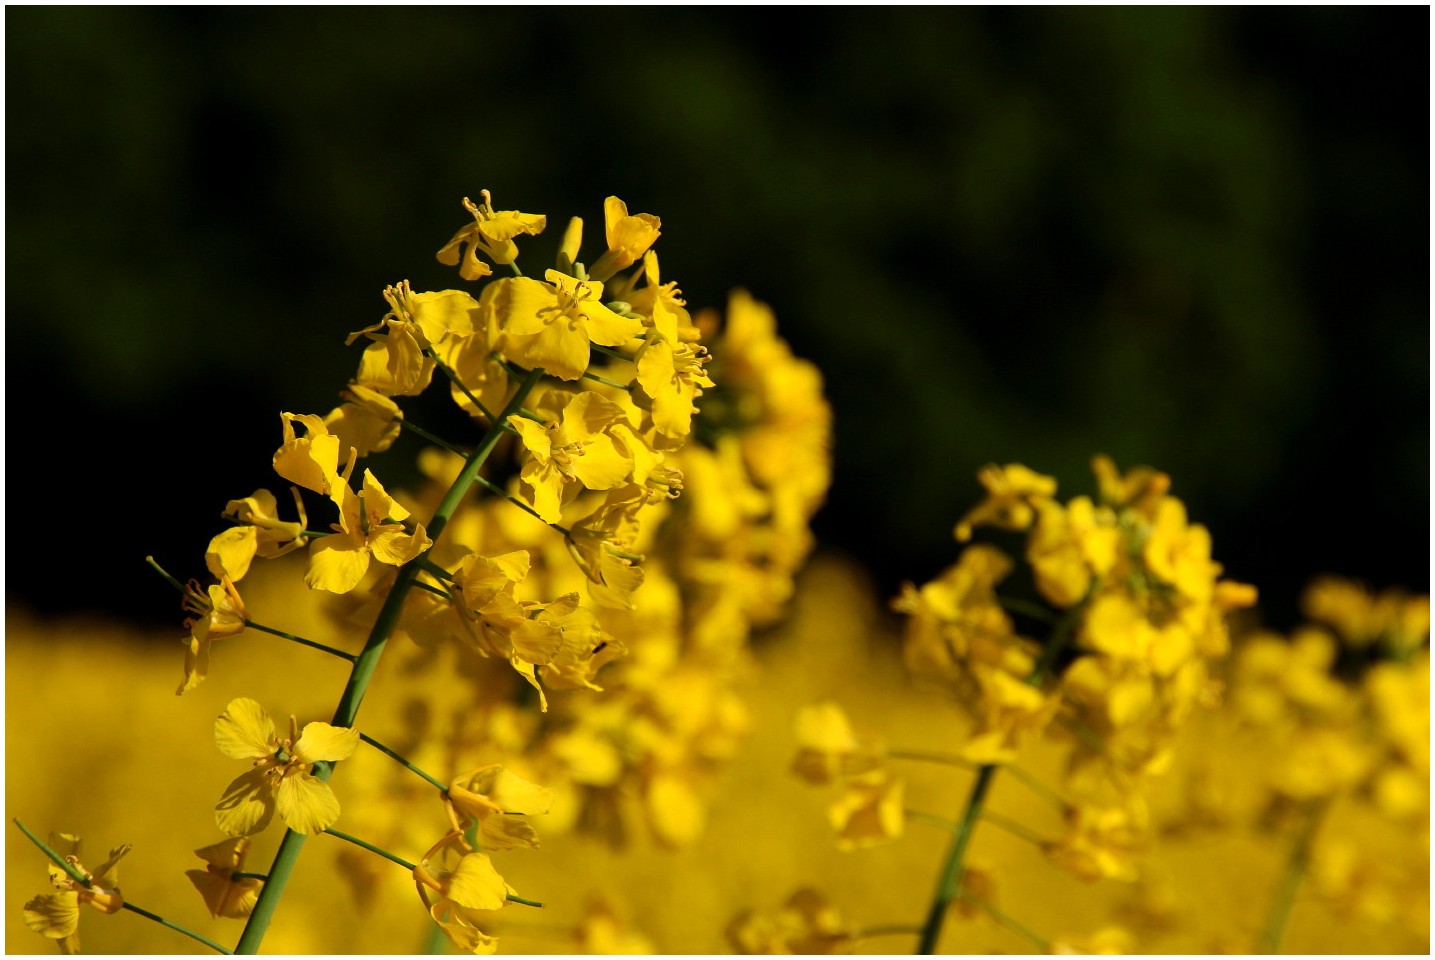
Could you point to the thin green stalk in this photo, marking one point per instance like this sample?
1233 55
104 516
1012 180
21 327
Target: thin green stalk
1008 921
244 875
293 843
399 758
930 819
886 930
609 352
433 438
164 573
1290 882
434 569
946 890
1027 609
606 382
176 928
1012 827
308 643
74 874
515 898
1036 786
950 878
392 858
495 489
436 591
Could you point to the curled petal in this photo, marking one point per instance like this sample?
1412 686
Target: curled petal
323 741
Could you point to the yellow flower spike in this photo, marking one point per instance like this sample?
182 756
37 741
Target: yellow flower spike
311 461
224 895
56 916
370 524
629 237
491 232
1011 491
216 614
280 777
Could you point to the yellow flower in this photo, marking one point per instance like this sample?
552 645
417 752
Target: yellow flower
629 237
574 446
1141 489
224 895
260 532
828 748
370 524
1102 841
311 461
218 614
869 812
601 545
807 923
603 931
57 915
280 777
669 377
551 324
367 422
1011 491
491 232
1070 546
499 801
455 882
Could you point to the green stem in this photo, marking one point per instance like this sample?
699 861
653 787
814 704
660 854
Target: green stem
164 573
308 643
293 843
176 927
886 930
609 352
393 858
1036 786
514 898
432 568
435 439
1027 609
242 875
436 591
946 890
950 878
1007 921
442 788
931 819
496 490
1291 879
1012 827
606 382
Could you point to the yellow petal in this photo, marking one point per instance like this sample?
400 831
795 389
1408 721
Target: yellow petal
226 854
244 730
231 552
602 467
560 348
323 741
234 899
196 664
609 328
53 915
247 805
521 305
461 930
307 804
675 812
476 885
336 563
394 545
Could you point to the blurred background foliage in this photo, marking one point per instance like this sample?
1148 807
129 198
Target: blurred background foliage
1193 238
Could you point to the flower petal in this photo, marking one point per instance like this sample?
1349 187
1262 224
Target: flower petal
53 915
247 805
476 884
307 804
244 730
323 741
337 563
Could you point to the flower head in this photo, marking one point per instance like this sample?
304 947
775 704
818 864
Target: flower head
57 915
224 895
281 777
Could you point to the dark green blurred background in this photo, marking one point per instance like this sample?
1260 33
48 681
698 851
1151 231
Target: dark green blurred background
1194 238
